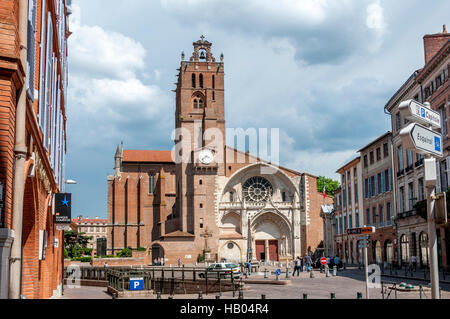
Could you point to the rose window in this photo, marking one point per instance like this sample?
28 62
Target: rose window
257 189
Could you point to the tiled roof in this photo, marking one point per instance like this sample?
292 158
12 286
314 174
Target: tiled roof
147 156
89 221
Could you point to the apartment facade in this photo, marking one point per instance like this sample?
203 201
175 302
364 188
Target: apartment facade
92 227
378 198
349 210
33 102
427 85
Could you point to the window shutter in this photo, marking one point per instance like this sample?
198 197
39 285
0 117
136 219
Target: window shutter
376 184
370 187
438 176
42 70
383 186
390 178
48 81
31 47
447 160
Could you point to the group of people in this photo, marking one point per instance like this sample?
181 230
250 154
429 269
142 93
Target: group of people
158 261
305 263
302 264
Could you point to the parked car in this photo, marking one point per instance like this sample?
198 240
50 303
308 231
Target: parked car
225 270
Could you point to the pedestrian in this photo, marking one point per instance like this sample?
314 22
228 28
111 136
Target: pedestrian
105 265
414 262
179 262
308 263
249 268
301 263
297 265
155 262
337 262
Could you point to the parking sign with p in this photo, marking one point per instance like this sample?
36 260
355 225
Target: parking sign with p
136 283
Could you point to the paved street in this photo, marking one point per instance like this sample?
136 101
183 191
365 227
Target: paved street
344 286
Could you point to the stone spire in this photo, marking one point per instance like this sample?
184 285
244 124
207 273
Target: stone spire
118 161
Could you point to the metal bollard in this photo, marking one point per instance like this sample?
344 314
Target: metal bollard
328 271
218 297
311 274
305 296
287 272
241 295
263 296
335 271
332 295
266 275
158 295
420 291
200 295
359 295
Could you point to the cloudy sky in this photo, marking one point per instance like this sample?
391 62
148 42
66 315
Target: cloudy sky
320 70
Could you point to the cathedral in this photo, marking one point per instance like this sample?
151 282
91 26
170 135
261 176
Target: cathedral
204 200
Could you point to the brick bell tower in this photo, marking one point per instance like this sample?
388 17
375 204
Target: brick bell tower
200 114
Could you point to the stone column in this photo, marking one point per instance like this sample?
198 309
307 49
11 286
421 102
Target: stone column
266 249
6 238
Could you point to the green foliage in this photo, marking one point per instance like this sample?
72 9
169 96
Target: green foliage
125 253
141 249
66 254
83 259
330 185
201 258
76 244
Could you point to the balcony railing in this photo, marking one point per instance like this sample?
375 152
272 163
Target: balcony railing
409 169
407 214
418 163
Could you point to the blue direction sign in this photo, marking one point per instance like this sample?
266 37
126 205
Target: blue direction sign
417 112
136 283
422 139
278 272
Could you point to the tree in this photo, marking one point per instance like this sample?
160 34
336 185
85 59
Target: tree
76 244
330 185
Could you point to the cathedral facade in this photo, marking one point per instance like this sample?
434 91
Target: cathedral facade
205 200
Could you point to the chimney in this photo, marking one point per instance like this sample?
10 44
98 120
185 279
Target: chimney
434 42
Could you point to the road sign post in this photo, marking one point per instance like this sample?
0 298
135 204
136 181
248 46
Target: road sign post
429 143
364 231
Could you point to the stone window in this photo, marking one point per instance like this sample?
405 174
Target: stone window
257 189
201 81
151 183
193 81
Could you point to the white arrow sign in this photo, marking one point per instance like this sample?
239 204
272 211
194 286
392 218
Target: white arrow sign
422 139
417 112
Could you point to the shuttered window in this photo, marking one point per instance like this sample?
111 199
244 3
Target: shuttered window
41 114
31 46
48 82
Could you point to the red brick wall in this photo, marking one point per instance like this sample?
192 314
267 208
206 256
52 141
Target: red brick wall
433 43
9 38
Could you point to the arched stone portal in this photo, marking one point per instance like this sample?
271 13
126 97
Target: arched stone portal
271 237
230 252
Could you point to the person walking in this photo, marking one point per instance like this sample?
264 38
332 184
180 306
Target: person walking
414 262
308 263
179 262
301 263
297 265
249 268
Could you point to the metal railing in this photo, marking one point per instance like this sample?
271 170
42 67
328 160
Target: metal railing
174 280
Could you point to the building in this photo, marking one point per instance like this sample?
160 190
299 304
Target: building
349 211
217 202
378 199
329 229
33 102
429 84
92 227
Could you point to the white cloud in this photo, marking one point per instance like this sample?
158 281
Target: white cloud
375 21
107 94
103 53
